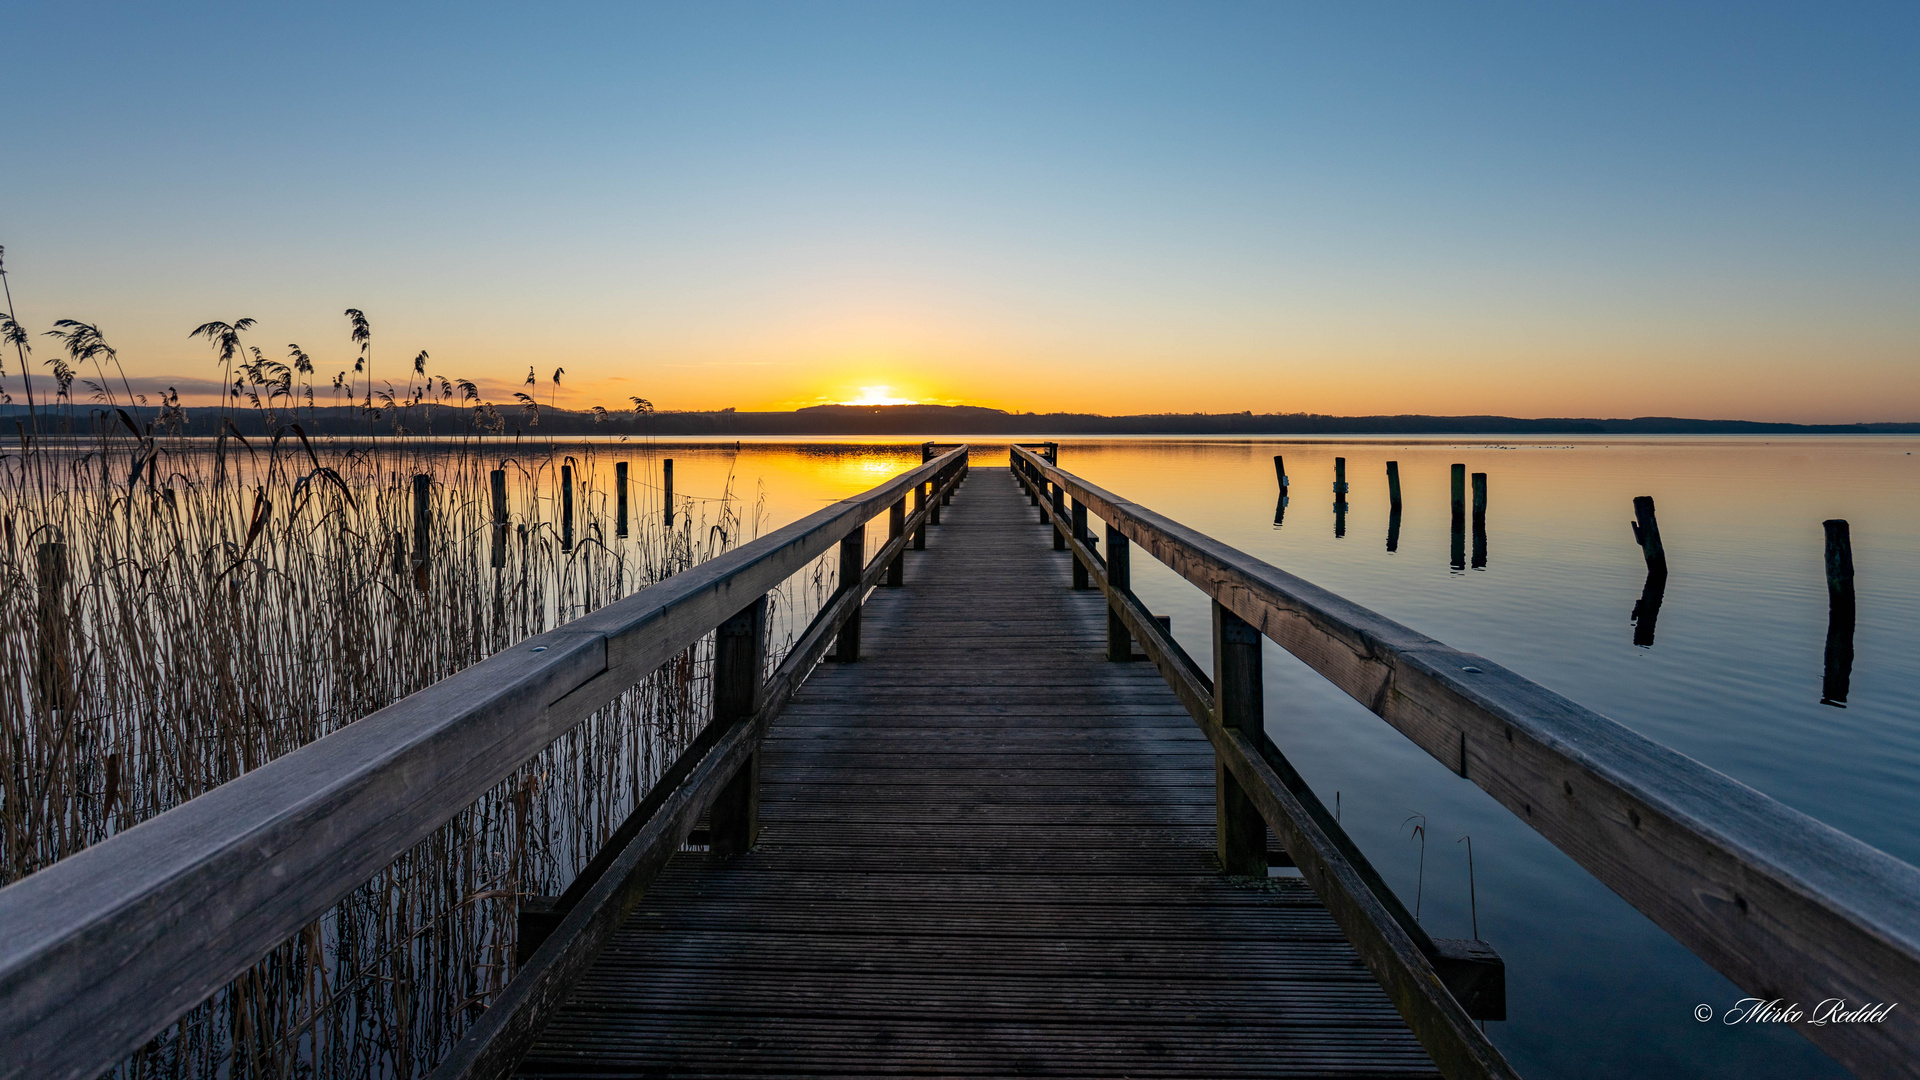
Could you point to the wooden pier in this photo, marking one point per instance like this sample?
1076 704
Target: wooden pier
984 817
984 850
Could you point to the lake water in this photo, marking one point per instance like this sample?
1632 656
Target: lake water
1733 675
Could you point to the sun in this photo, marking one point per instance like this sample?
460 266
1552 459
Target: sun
878 395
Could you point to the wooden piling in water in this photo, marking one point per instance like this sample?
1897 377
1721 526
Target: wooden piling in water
497 484
1459 489
566 508
422 528
1280 472
1839 563
1480 495
1646 531
1393 484
1837 675
620 498
422 521
51 574
1339 478
666 483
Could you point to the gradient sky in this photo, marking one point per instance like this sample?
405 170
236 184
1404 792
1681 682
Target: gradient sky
1532 209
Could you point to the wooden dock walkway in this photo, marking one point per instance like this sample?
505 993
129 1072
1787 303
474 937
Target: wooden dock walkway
985 851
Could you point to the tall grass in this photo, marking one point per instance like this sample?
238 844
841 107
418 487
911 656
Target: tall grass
176 611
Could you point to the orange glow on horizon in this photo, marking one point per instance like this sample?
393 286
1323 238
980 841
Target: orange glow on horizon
879 395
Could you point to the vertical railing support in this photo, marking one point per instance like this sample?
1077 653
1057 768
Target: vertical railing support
739 655
1059 511
896 526
853 563
1119 575
1080 534
1237 695
920 530
933 514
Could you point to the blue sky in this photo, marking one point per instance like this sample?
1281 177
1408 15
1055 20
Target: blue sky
1536 209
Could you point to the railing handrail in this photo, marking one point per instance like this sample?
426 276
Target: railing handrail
1782 904
100 951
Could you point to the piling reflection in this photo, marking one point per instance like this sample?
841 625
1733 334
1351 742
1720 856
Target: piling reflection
1280 509
1839 668
1393 530
1646 610
1339 520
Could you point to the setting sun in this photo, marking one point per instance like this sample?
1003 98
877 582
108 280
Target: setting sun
878 395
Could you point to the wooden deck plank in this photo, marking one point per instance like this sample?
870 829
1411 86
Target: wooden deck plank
985 851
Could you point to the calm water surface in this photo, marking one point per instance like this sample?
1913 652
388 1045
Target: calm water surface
1733 674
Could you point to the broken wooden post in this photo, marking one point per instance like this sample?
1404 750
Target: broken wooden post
1393 484
1838 672
1646 532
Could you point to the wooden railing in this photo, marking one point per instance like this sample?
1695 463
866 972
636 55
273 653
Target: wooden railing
1784 906
102 950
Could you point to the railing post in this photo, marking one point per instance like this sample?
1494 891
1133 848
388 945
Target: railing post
920 530
1080 534
1237 703
1119 575
1059 510
896 527
933 486
1033 487
739 653
853 563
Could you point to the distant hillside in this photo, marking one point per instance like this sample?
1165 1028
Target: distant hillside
893 420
